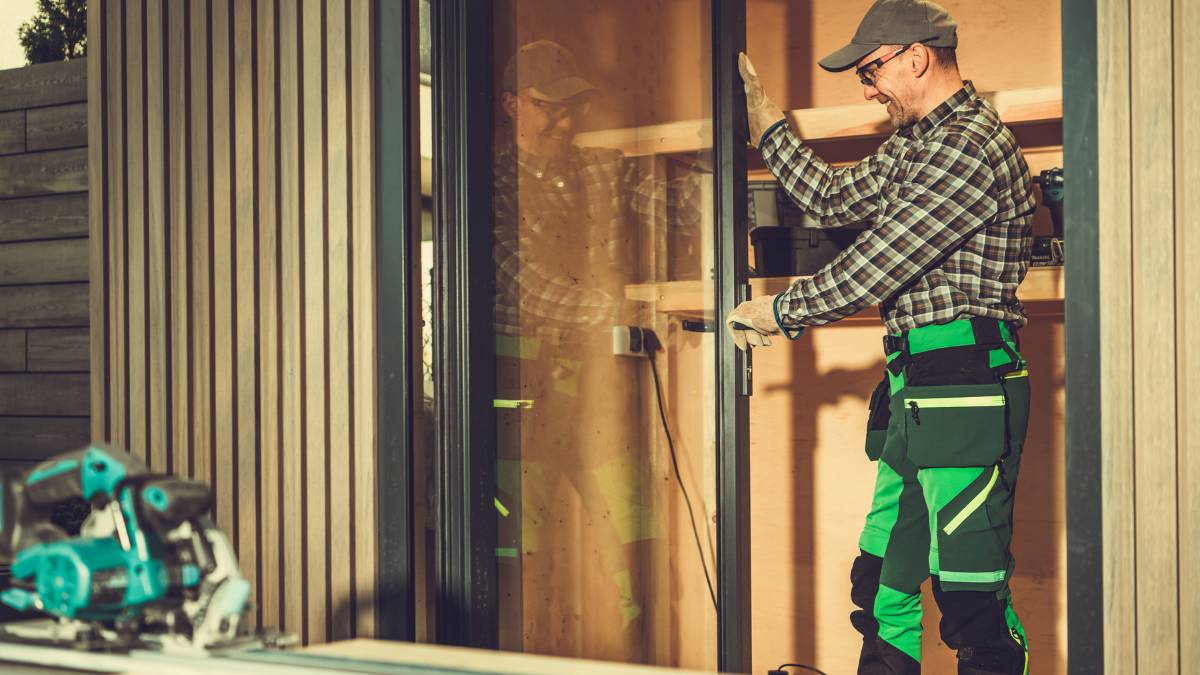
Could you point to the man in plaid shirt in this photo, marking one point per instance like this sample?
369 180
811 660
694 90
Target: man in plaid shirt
948 197
573 226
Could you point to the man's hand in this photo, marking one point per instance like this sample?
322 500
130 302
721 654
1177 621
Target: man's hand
753 322
760 111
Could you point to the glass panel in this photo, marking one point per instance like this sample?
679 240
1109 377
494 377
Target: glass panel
603 193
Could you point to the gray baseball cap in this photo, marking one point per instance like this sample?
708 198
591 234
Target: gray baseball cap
547 67
895 22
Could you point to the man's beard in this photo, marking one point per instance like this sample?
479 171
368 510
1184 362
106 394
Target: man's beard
900 116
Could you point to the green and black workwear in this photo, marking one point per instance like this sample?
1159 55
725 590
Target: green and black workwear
946 427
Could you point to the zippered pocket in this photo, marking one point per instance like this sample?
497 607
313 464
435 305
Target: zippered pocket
955 425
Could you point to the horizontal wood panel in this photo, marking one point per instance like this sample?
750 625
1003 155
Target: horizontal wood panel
44 394
60 126
42 173
36 438
43 84
46 217
12 132
41 262
58 350
41 306
12 350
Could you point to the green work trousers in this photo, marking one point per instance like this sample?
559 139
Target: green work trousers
946 429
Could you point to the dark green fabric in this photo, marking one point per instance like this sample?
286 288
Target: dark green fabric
956 465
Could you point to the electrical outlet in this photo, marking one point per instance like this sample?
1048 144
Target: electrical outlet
632 341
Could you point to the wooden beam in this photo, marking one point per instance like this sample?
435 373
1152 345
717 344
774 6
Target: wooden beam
44 306
47 217
12 132
1016 107
58 350
43 84
40 262
12 350
60 126
41 394
42 173
36 438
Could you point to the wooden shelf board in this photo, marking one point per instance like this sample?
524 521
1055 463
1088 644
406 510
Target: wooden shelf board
692 299
1016 107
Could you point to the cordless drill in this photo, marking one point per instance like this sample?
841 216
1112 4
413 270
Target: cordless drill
1049 250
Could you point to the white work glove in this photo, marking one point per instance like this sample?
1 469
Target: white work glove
752 323
761 113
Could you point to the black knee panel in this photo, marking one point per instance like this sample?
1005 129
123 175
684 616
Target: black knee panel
864 586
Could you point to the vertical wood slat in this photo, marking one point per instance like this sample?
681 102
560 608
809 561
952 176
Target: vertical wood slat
237 318
315 288
201 323
337 301
270 554
115 174
179 218
362 225
1116 326
224 414
295 574
1154 338
245 448
135 237
1187 290
156 240
98 218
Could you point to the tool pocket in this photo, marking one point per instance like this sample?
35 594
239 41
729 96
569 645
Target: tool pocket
973 535
954 425
878 418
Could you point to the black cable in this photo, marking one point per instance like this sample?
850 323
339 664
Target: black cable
780 669
650 348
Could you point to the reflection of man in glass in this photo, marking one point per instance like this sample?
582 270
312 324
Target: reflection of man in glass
573 226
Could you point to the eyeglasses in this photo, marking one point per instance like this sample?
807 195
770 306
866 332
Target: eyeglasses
559 110
866 73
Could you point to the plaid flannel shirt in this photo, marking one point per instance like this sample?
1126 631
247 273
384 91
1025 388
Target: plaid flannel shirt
565 232
950 204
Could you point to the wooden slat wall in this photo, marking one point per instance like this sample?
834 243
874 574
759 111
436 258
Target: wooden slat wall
1149 137
43 261
233 259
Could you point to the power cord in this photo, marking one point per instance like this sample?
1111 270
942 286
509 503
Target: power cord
652 345
780 670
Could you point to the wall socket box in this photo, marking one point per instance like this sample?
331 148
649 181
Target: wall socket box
632 340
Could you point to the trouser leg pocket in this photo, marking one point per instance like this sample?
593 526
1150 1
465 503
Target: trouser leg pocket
954 425
877 421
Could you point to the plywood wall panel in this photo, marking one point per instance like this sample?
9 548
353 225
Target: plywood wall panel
238 239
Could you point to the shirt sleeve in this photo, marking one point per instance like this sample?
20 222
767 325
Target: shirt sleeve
947 198
836 196
543 296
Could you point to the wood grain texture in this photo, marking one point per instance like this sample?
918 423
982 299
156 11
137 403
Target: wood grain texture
60 126
1187 317
50 172
1154 334
50 305
95 220
43 394
36 438
42 262
314 290
44 84
58 350
49 217
136 257
12 132
116 217
362 224
156 332
12 351
1116 395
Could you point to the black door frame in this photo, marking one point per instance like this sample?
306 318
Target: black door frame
1084 502
461 32
398 301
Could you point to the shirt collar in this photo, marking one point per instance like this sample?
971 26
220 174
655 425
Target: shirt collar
944 110
537 165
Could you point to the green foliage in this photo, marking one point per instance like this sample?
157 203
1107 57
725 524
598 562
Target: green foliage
57 32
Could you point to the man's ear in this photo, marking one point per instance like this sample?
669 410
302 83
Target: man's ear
921 59
509 102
